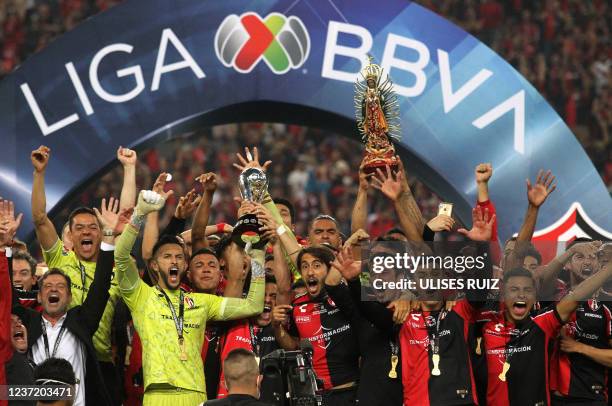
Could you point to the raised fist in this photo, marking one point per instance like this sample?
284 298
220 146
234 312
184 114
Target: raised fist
40 158
150 201
483 173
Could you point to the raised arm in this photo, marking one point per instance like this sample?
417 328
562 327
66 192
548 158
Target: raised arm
338 291
127 272
536 195
393 187
412 209
373 311
359 215
45 231
549 274
234 308
583 291
483 173
8 228
280 268
6 290
128 159
9 301
93 307
200 220
150 235
290 244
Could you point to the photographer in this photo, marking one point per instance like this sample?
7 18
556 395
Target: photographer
242 380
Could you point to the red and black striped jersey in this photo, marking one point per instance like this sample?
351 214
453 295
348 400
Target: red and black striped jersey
336 351
518 358
577 376
449 331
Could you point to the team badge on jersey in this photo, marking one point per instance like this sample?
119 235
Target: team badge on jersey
189 302
593 304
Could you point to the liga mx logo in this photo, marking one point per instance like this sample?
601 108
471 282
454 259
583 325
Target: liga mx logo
242 41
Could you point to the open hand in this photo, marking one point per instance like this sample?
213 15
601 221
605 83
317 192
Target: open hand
250 160
8 222
537 194
187 205
108 215
482 225
346 264
389 184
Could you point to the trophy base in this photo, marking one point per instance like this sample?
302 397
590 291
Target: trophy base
246 231
381 163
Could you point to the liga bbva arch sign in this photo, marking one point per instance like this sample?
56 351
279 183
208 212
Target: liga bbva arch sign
148 69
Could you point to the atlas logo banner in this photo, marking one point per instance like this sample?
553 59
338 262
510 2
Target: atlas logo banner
575 223
186 65
242 41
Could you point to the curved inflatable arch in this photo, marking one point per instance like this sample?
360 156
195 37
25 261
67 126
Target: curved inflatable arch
148 69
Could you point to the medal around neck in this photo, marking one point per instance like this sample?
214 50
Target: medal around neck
377 113
253 185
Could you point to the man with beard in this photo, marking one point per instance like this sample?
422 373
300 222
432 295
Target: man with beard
170 321
583 355
517 345
315 317
80 263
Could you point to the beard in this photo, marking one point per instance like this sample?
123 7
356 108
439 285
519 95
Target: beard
166 278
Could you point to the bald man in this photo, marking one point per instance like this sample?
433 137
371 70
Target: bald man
242 380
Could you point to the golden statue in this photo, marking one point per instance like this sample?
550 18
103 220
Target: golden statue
377 118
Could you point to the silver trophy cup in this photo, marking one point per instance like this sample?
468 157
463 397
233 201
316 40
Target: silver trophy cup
253 185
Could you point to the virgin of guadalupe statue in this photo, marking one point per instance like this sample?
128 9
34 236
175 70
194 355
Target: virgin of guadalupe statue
377 115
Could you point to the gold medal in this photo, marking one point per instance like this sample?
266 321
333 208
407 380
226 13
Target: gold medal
436 362
393 372
183 355
478 350
505 368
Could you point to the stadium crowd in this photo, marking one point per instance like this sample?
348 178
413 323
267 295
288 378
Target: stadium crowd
211 302
561 46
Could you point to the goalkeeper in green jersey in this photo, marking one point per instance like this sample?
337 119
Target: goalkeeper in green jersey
170 321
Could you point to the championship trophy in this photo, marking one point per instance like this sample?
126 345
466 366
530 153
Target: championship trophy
253 185
377 112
